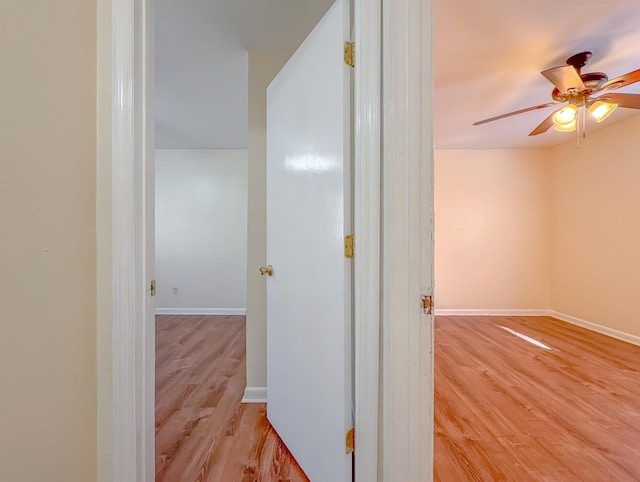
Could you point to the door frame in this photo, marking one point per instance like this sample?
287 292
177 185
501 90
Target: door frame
367 121
408 240
125 344
393 226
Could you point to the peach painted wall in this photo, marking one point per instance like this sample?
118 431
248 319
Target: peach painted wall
595 255
492 237
48 241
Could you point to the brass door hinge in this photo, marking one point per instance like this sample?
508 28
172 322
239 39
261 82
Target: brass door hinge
351 441
349 54
153 287
427 304
348 246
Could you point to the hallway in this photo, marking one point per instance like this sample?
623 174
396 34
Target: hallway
203 432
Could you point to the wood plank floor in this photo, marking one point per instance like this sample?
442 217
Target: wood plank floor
506 409
203 432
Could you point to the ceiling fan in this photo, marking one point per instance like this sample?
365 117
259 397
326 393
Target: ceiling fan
577 90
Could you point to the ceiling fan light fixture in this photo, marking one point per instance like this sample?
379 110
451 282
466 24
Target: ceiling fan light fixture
573 89
567 126
567 115
600 110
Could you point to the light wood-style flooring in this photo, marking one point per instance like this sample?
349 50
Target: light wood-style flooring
508 410
203 432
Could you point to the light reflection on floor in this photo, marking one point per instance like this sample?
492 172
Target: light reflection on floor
526 338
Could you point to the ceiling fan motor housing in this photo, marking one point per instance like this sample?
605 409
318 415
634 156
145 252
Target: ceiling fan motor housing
591 81
579 60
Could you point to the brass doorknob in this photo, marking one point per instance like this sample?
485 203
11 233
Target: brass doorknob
266 270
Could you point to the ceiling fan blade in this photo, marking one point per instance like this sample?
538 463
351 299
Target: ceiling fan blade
544 126
622 81
565 78
630 101
521 111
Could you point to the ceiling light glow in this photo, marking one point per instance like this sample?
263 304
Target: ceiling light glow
566 115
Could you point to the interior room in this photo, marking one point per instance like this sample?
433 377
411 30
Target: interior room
535 235
535 247
532 232
537 340
553 211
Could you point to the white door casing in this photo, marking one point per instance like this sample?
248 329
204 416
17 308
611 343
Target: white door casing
132 227
407 232
367 133
309 320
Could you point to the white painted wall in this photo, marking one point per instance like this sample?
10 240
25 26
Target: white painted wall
201 230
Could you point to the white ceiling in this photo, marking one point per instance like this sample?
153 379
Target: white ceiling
201 67
488 56
487 60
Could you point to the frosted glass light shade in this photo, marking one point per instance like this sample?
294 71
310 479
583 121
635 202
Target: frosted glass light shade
601 110
566 115
567 127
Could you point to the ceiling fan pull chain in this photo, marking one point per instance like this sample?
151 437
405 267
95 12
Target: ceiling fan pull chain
578 131
584 117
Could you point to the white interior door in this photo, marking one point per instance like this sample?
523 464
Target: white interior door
309 394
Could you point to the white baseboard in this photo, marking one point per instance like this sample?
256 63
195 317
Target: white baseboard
482 312
604 330
255 395
620 335
201 311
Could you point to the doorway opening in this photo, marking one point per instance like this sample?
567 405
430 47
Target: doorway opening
126 428
213 63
